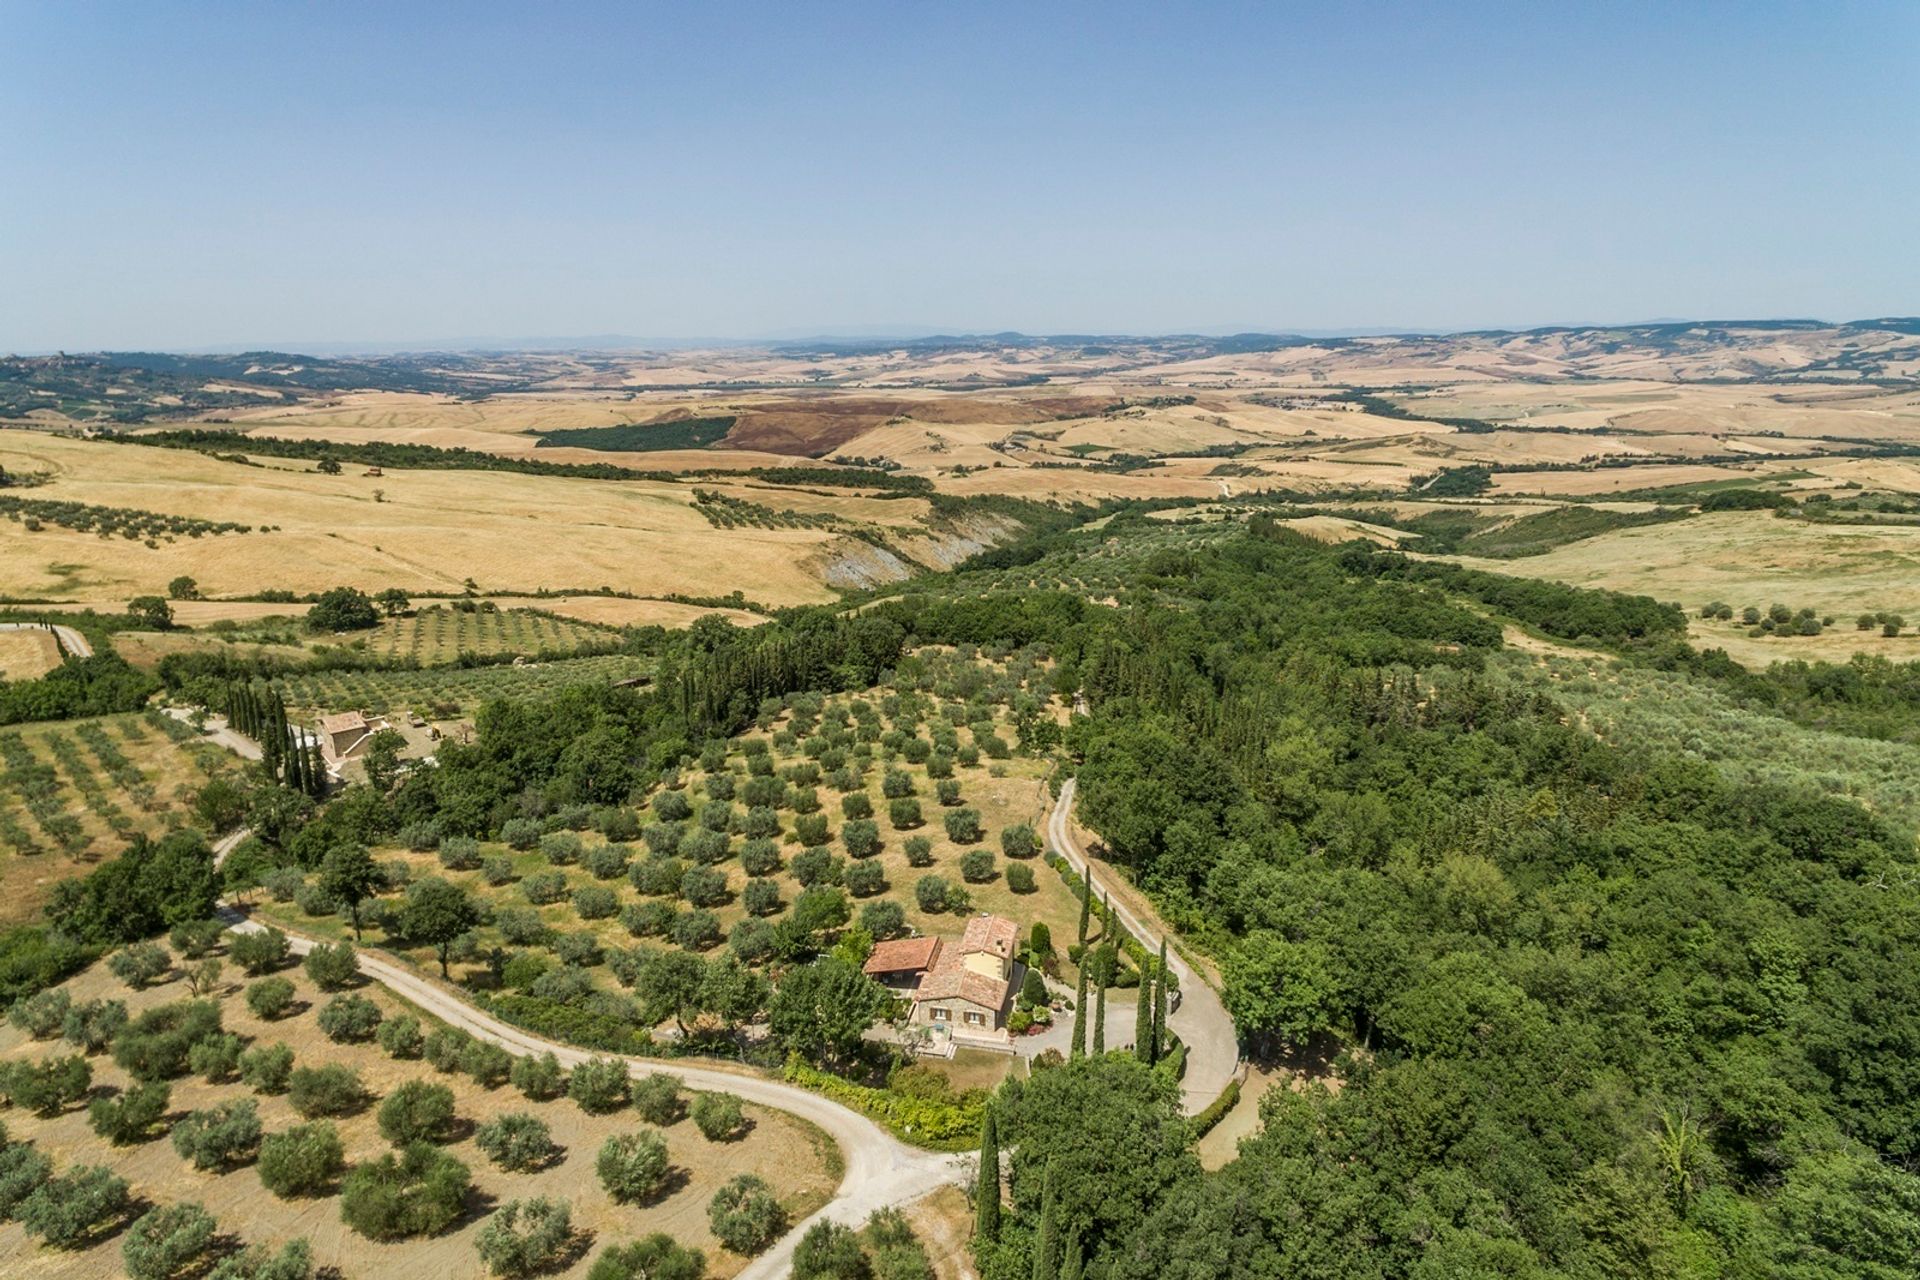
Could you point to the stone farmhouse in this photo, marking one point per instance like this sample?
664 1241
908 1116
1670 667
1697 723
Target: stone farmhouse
959 989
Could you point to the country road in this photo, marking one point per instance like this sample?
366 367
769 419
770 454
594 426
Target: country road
71 641
217 730
881 1171
1201 1021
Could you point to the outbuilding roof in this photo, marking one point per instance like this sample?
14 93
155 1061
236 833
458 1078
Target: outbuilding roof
900 954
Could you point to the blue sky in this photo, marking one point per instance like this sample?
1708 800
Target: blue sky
182 175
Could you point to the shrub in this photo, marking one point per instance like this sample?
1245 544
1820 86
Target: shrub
919 851
760 857
963 825
333 966
856 804
539 1078
657 875
543 888
744 1215
259 951
704 886
561 848
41 1015
165 1241
647 919
657 1098
445 1048
652 1257
301 1161
633 1166
882 919
607 862
706 847
401 1037
1019 841
92 1025
932 893
267 1068
140 965
976 866
49 1085
864 879
524 1237
66 1211
283 882
517 1141
420 837
417 1112
719 1116
488 1064
599 1085
696 930
830 1251
761 822
460 853
904 814
330 1090
663 838
947 792
222 1137
130 1116
270 998
861 836
522 926
811 830
803 800
760 897
216 1058
816 867
752 940
581 947
496 869
520 833
597 902
422 1191
22 1171
1020 877
314 900
257 1262
896 784
349 1019
156 1044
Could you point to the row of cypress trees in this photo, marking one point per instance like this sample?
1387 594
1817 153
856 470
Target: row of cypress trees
290 759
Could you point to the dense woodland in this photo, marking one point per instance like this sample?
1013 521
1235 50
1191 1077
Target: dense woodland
1593 1010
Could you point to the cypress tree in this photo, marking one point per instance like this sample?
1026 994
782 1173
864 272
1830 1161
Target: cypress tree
1046 1240
1143 1018
1086 903
1100 1018
297 769
1080 1012
1074 1264
1160 1006
986 1194
317 771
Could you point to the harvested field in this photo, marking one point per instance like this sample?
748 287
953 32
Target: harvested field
27 655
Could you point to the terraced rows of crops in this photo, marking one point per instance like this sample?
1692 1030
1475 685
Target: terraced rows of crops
439 634
447 691
86 786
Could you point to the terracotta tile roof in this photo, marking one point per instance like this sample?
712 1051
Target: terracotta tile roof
343 722
900 954
951 980
995 935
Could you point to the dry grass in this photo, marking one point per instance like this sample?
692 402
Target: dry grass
429 530
1745 558
27 655
779 1148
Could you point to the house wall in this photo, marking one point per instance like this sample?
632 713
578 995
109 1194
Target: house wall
956 1015
985 963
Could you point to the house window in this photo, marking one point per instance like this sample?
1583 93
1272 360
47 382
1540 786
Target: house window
976 1019
942 1015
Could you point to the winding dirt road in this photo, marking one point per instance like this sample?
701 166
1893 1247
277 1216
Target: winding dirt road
1200 1020
71 641
881 1171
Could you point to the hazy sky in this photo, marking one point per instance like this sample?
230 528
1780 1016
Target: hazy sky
183 174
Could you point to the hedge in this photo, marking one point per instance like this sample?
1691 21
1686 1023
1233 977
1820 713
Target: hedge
937 1125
